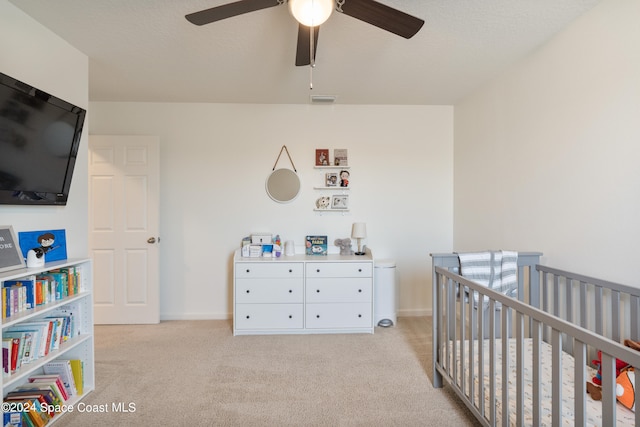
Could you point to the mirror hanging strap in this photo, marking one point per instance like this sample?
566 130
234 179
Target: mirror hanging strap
284 147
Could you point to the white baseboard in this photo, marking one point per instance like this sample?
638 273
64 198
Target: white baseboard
195 316
415 312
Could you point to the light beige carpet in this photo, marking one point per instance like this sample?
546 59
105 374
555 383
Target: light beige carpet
196 373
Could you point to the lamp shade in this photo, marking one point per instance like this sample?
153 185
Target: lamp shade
359 230
311 12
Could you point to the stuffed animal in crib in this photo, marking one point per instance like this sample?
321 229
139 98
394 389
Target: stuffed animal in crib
620 365
344 245
323 202
625 392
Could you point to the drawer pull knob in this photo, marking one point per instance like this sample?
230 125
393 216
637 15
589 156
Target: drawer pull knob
248 291
248 270
359 270
317 316
318 291
247 317
359 315
290 317
359 290
290 271
290 291
318 271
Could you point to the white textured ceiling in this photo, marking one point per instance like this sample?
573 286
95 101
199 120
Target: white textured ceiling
145 50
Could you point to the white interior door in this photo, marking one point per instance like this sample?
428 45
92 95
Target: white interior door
123 227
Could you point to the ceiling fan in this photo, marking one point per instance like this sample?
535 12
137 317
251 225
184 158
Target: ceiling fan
369 11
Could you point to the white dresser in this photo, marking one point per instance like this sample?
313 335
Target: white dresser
303 294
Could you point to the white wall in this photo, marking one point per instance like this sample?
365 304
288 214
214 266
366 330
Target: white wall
546 157
31 53
215 159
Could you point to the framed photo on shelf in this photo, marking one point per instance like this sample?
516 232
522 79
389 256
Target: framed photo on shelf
340 157
52 242
332 179
344 178
340 201
10 255
322 157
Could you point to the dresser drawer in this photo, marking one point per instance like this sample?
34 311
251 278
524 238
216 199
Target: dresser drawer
339 290
339 269
338 316
269 316
269 291
269 269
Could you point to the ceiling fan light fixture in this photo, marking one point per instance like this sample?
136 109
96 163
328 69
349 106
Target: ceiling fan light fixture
311 13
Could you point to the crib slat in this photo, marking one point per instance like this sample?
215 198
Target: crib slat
463 293
492 362
583 305
556 378
569 307
598 307
471 364
481 357
608 372
506 367
615 311
536 362
634 304
580 379
520 369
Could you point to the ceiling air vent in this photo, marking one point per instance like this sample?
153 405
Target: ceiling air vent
323 99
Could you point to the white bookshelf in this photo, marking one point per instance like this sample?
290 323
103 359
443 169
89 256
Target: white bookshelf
80 346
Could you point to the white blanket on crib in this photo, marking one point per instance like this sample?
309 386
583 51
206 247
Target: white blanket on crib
497 270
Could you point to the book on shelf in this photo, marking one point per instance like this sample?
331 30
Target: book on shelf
46 382
62 368
316 245
331 179
322 157
340 157
77 367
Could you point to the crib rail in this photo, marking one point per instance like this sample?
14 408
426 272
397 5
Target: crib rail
571 313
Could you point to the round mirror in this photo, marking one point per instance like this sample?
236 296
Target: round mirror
283 185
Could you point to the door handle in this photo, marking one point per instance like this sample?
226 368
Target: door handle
151 240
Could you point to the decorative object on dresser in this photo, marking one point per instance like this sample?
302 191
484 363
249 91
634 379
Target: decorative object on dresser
315 245
303 294
344 245
359 232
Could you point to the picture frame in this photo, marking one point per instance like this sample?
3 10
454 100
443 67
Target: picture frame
322 157
340 201
10 254
52 242
331 179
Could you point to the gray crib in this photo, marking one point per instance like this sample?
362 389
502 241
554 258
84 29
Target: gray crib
525 360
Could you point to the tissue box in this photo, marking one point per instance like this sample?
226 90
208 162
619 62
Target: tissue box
261 238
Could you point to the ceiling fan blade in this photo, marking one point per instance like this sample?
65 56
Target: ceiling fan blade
383 16
218 13
303 54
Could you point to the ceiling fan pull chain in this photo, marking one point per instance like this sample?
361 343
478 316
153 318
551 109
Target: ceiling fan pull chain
312 61
339 4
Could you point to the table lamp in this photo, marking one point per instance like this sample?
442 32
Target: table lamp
359 232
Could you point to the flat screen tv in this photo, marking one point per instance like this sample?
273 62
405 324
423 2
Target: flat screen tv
39 139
